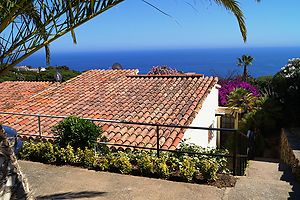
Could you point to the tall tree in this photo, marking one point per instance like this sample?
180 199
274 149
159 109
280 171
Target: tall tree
244 62
29 25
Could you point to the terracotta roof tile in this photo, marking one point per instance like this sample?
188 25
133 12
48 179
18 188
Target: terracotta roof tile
15 92
120 95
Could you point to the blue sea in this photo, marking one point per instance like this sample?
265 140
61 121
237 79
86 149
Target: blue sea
218 62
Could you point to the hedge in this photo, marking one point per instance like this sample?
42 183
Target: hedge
145 163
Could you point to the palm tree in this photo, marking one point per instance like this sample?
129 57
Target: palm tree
242 99
29 25
244 61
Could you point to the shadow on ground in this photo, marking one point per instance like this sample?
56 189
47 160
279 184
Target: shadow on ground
289 177
73 195
270 160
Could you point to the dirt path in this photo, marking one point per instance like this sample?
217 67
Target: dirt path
264 180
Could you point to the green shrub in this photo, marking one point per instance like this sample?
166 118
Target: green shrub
188 168
208 168
133 156
27 151
85 157
103 149
221 161
101 163
242 99
47 75
46 152
261 82
173 163
161 167
65 155
40 151
190 147
77 132
222 164
120 162
145 163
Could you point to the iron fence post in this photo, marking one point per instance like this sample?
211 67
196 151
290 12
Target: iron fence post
157 140
39 125
234 153
240 153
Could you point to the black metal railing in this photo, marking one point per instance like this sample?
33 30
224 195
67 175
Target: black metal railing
238 155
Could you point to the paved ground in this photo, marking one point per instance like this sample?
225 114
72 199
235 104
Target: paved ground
264 180
52 182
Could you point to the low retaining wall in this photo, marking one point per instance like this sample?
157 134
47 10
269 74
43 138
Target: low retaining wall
290 149
13 185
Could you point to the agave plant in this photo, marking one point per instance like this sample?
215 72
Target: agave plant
29 25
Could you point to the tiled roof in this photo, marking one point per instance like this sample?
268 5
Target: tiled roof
14 92
121 95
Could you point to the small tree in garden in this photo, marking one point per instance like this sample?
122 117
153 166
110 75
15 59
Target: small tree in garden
242 99
244 61
77 132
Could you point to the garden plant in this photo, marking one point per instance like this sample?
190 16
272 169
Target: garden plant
173 166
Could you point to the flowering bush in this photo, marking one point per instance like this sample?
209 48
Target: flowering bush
286 84
163 70
287 81
291 69
228 86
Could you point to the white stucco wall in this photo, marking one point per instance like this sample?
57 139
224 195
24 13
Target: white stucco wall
204 118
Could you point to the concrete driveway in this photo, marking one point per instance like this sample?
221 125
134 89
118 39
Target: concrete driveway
264 180
53 182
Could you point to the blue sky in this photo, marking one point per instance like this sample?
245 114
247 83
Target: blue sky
135 25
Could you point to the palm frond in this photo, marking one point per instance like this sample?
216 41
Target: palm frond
159 10
33 24
234 7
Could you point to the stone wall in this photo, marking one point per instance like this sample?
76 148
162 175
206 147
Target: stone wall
290 149
13 185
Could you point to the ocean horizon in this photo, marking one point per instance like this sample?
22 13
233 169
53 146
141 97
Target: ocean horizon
208 61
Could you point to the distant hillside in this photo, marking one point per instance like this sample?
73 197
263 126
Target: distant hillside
47 75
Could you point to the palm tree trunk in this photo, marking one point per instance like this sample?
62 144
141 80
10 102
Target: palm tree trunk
245 74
